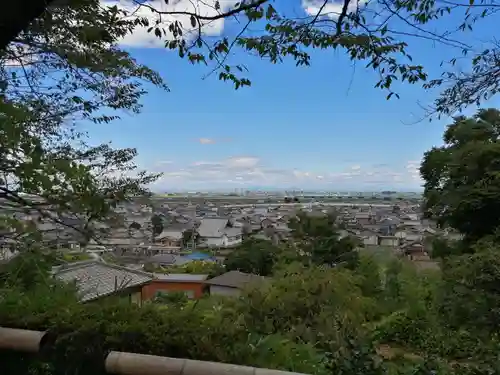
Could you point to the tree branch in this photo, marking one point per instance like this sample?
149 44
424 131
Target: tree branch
241 8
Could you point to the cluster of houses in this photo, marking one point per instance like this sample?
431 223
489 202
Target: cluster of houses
187 226
400 227
184 228
97 280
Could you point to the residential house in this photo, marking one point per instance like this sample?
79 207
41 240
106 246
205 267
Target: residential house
58 236
388 226
122 243
231 283
414 250
217 232
96 280
410 217
260 211
409 234
209 212
192 285
364 218
369 237
411 224
414 235
8 249
266 223
170 238
390 241
166 260
400 233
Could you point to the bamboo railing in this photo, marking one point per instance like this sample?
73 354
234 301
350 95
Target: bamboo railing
121 363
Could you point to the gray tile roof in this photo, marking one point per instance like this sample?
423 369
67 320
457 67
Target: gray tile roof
170 259
212 227
96 279
175 234
235 279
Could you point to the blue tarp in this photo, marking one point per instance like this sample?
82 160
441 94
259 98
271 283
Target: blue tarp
199 256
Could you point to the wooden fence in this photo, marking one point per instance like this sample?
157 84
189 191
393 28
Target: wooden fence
121 363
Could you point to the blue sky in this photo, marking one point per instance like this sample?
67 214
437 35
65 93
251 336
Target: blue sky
317 127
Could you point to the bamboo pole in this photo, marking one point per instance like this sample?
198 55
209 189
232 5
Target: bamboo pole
20 340
121 363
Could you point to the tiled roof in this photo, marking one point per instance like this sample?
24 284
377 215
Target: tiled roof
96 279
235 279
212 227
171 259
170 233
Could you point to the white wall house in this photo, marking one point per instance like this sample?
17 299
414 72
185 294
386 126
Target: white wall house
369 238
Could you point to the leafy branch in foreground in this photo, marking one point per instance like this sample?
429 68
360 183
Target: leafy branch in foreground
53 76
282 37
376 32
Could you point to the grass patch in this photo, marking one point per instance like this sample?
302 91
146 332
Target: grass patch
75 257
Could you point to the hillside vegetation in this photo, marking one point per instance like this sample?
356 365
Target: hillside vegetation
326 308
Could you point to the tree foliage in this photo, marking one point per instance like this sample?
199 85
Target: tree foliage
156 224
189 236
382 316
462 176
378 33
319 241
55 75
470 297
253 256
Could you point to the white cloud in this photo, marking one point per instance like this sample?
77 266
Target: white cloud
206 141
247 171
332 9
245 162
413 169
141 38
211 141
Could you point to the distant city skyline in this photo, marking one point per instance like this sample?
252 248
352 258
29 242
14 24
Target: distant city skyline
289 190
